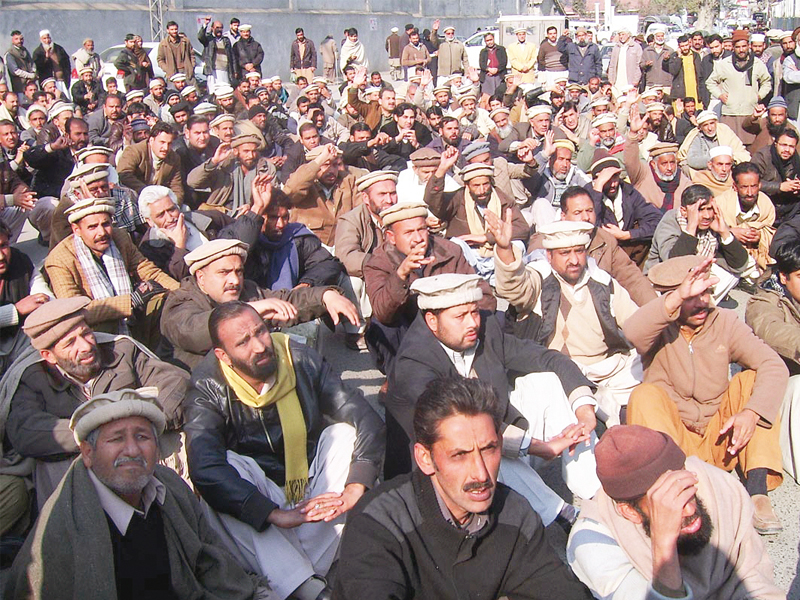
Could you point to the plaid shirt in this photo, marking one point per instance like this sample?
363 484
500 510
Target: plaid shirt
127 216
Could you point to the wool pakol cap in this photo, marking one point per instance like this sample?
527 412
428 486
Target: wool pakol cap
600 102
476 148
758 38
44 82
177 77
314 153
220 119
37 108
58 108
649 93
155 82
85 70
53 320
565 143
88 173
669 274
90 206
81 155
740 35
372 89
566 234
448 28
705 116
133 94
603 159
720 151
188 90
604 119
630 458
572 87
539 109
252 75
425 157
476 170
663 148
559 78
113 406
447 290
654 106
205 108
499 111
245 27
441 88
365 181
402 211
395 29
464 97
520 30
223 91
214 250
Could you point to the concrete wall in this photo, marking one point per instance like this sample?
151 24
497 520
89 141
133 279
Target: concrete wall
274 21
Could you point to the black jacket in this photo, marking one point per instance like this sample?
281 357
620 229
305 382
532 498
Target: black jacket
404 149
317 265
502 62
209 56
397 544
674 66
639 216
45 67
358 154
217 422
190 159
249 51
499 357
52 169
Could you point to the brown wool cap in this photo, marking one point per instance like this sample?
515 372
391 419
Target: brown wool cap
740 35
53 320
630 458
403 211
669 274
214 250
364 182
425 157
113 406
663 148
90 206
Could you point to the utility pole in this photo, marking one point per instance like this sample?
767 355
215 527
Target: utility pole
156 8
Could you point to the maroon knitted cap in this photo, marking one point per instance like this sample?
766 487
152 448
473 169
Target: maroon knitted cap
630 458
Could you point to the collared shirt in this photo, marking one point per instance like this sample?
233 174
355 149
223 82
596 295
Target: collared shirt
119 511
462 361
747 216
85 388
476 521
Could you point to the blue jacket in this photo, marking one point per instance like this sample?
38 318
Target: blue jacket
582 67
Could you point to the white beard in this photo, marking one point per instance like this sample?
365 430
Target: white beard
504 132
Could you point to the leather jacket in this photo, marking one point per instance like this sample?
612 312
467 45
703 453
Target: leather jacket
216 421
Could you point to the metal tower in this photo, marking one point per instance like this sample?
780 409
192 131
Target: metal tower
156 9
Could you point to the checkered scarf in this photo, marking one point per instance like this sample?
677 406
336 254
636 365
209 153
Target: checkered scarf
111 279
707 241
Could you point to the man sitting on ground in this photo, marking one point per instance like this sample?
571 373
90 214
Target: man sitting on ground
407 527
687 346
666 526
280 509
144 532
717 174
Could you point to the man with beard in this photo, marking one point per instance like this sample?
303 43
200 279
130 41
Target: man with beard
750 215
450 137
658 124
659 179
73 364
452 499
101 122
685 68
20 65
251 54
86 91
222 127
532 133
767 125
717 175
220 59
688 345
474 120
557 173
175 54
604 135
281 508
697 227
52 60
502 125
146 534
12 151
411 182
788 62
621 210
566 303
623 68
695 149
156 100
780 170
666 525
652 59
451 51
740 82
583 56
715 53
194 147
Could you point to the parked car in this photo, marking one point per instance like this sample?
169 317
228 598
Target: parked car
109 55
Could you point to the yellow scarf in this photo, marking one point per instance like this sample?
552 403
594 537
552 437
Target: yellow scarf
476 224
293 424
690 77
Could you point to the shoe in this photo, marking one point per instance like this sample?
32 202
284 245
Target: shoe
355 342
765 520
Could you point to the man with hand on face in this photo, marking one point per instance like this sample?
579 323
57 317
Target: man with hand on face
687 345
666 526
697 227
145 532
194 147
216 271
280 450
451 511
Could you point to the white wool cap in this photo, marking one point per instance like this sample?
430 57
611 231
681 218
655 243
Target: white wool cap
447 290
706 115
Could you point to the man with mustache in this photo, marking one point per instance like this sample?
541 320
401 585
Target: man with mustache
780 174
769 124
696 147
550 399
72 363
144 532
279 448
464 533
216 276
666 526
750 215
697 227
687 345
102 263
717 175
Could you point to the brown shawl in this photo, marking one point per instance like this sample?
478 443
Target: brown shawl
734 565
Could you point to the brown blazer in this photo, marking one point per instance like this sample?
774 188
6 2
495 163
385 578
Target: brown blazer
309 205
357 237
450 207
63 271
369 111
136 171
